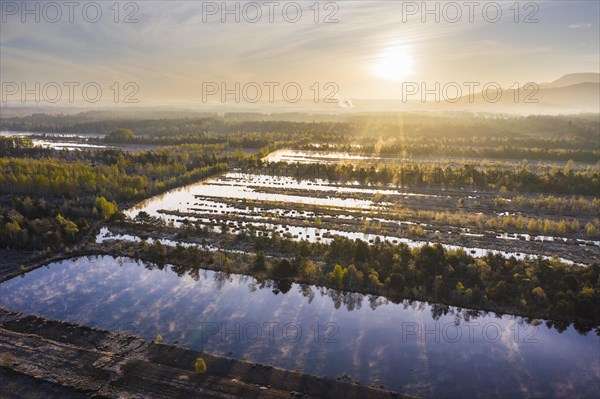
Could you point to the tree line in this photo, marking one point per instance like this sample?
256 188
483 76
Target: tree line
565 180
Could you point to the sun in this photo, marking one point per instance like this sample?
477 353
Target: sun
394 64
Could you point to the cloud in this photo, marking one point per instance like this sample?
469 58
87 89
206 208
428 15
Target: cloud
581 25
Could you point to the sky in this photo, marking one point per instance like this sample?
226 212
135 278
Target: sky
180 52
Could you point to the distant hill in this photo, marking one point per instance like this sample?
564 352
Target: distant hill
573 79
585 96
577 92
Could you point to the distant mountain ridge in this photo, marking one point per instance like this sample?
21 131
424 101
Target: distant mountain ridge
571 93
575 92
572 79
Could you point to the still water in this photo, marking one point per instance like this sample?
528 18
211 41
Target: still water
205 197
411 347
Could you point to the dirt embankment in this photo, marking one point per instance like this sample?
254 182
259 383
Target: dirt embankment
47 358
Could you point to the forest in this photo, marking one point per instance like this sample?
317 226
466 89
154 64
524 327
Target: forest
53 200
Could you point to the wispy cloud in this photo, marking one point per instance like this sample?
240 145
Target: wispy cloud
581 25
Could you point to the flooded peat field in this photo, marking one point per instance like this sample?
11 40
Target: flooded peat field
317 210
332 157
60 141
75 141
410 347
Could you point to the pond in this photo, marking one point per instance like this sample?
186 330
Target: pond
411 347
53 134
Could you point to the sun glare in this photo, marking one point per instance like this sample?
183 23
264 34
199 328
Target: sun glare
394 64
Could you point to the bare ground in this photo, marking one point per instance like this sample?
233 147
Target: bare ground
42 358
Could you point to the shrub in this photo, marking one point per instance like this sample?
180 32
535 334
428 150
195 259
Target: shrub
200 366
284 268
7 359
